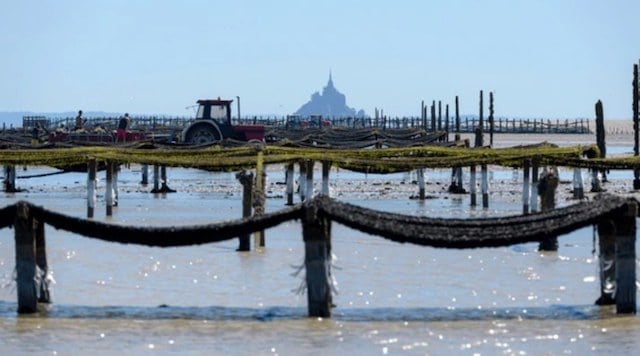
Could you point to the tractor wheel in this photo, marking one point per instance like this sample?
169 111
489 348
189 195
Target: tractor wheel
203 134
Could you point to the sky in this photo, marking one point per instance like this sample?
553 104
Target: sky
541 59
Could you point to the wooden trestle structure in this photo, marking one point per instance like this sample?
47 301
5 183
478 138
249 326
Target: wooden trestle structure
614 216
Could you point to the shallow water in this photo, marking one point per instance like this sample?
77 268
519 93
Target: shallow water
391 297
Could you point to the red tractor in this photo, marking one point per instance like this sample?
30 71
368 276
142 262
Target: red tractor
213 123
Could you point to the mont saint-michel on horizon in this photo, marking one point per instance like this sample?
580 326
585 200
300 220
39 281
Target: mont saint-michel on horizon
331 103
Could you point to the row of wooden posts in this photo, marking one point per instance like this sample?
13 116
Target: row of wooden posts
616 241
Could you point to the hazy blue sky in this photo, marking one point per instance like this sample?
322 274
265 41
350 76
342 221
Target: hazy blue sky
543 58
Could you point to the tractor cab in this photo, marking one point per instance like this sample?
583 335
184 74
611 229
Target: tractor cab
217 109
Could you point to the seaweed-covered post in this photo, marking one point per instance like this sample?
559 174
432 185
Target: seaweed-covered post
309 185
439 115
246 179
606 261
326 167
26 271
472 185
626 259
316 232
526 186
165 182
145 174
44 296
92 167
535 163
446 122
578 186
636 124
484 185
289 178
547 190
108 194
259 199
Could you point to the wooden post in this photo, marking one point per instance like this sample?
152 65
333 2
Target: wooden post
626 259
116 168
600 141
480 124
439 115
26 276
309 185
289 177
457 115
259 199
145 174
156 179
10 179
420 177
247 198
433 116
535 163
578 187
491 123
547 190
472 185
526 187
484 184
108 194
326 167
44 296
317 238
606 261
636 124
92 167
302 180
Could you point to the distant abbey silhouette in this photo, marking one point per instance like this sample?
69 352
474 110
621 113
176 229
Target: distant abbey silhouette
331 103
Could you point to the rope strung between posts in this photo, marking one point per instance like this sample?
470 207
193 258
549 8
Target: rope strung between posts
470 233
164 236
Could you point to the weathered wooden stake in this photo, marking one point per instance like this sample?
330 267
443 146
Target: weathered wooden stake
44 296
309 185
145 174
116 168
317 260
302 181
326 168
10 179
578 187
246 179
26 271
526 187
535 163
626 289
472 185
636 124
485 186
92 167
108 194
289 176
259 199
602 146
156 179
606 261
491 120
547 190
420 177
